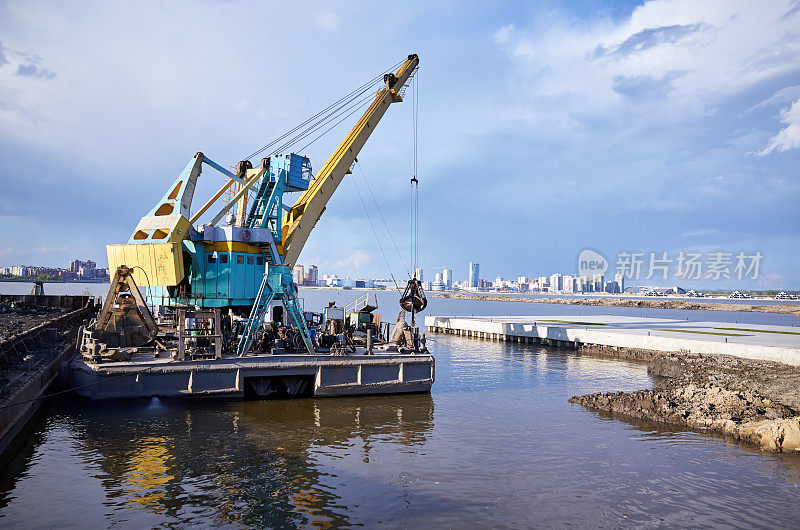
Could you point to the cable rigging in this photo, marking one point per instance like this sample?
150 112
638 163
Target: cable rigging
329 113
374 232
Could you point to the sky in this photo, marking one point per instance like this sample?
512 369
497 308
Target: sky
545 128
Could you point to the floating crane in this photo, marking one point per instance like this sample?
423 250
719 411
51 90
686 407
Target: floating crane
245 266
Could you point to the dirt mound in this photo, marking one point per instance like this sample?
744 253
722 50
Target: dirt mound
752 401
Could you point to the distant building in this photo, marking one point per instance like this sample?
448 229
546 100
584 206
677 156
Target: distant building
447 277
418 274
438 282
568 284
311 275
620 280
330 280
598 283
555 283
474 274
298 274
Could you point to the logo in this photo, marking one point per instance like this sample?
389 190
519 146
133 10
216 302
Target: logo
591 262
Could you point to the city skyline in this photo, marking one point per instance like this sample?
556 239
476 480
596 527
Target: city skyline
443 279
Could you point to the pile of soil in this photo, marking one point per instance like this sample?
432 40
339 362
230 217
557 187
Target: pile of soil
751 401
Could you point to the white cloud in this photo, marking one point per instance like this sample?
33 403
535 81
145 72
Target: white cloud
328 21
356 260
27 251
687 53
789 136
783 96
647 104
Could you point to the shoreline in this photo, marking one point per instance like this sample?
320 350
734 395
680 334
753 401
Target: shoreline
636 303
754 402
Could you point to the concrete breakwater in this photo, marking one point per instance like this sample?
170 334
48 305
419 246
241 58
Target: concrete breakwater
738 380
790 309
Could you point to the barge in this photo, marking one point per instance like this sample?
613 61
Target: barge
219 313
256 377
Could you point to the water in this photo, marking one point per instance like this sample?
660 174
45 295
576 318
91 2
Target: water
495 444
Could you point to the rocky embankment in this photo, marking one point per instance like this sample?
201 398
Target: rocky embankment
659 303
751 401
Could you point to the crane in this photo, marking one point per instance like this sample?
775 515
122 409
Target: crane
248 263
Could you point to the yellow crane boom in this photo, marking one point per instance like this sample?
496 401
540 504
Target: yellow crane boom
301 218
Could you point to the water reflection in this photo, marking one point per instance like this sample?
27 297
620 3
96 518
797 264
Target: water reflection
240 463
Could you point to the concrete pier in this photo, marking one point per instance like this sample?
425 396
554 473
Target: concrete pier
752 341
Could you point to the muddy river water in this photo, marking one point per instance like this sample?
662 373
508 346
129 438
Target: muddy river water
495 444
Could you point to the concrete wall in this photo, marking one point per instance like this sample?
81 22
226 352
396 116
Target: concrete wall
572 336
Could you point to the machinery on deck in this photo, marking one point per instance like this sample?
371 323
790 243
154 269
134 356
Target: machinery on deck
233 283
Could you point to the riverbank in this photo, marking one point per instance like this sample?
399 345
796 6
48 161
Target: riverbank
627 302
748 400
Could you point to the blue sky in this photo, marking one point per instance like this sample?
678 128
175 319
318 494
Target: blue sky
545 127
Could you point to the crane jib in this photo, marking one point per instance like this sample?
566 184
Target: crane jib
312 202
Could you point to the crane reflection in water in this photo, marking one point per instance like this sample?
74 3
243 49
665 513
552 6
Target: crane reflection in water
256 462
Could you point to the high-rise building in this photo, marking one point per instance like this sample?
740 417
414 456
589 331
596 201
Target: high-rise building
474 274
598 281
77 265
418 274
298 274
620 279
568 284
555 283
311 275
447 277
